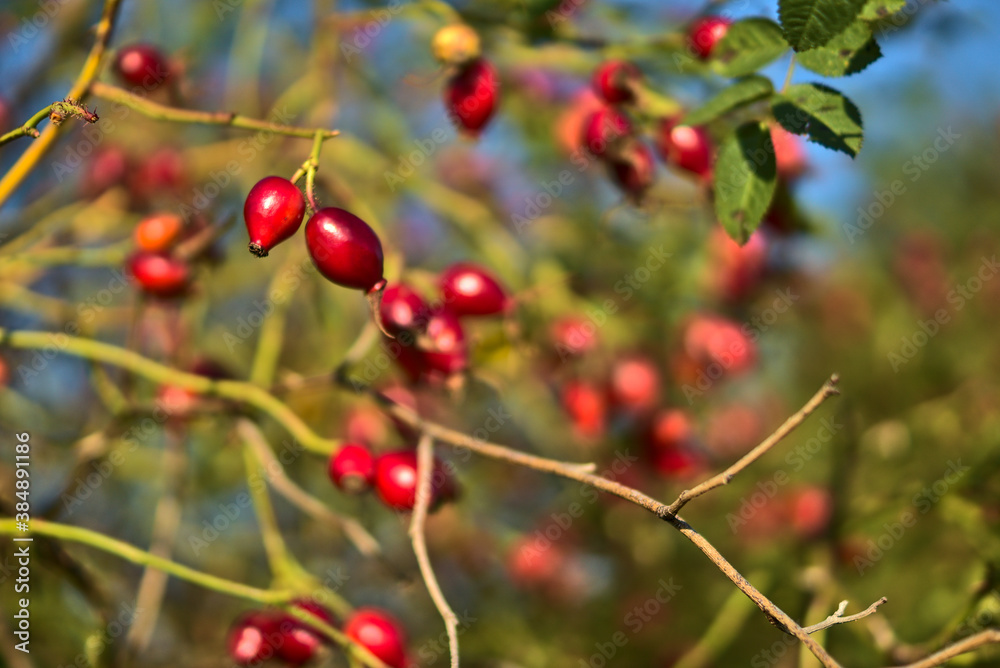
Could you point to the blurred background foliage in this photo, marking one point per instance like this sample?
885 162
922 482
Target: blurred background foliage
860 298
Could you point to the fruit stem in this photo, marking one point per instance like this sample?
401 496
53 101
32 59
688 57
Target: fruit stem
374 297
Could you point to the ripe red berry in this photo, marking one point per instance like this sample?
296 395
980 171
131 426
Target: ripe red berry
160 275
396 480
716 341
614 81
606 132
705 33
403 310
635 384
586 407
352 468
158 232
297 642
380 633
573 336
142 65
273 212
251 638
670 444
634 171
471 96
345 249
686 147
444 349
467 289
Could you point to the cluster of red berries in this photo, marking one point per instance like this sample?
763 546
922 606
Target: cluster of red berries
472 92
262 635
432 338
355 469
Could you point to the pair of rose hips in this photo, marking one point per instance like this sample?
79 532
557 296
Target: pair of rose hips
260 635
356 469
342 246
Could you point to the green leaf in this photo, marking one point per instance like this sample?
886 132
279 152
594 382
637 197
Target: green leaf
747 46
742 92
823 114
745 178
875 10
848 53
809 24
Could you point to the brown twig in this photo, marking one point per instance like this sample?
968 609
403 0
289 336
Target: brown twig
987 637
828 390
425 468
839 618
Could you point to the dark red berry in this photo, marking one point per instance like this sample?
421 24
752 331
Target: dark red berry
467 289
686 147
705 33
721 345
634 171
403 310
251 638
614 81
297 641
671 444
142 65
443 345
345 249
396 480
352 468
379 633
606 132
273 212
471 96
160 275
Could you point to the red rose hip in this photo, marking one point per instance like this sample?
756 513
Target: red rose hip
606 132
403 309
634 171
613 81
345 249
705 33
396 480
471 96
380 634
251 638
160 275
686 147
443 348
273 212
352 468
141 65
468 289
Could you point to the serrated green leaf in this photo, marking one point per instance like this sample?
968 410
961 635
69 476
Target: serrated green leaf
747 46
822 114
875 10
848 53
809 24
745 178
742 92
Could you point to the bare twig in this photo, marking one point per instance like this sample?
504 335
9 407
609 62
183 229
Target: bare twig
828 390
286 487
987 637
425 468
839 618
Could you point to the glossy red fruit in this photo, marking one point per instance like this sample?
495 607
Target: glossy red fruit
352 468
403 310
160 275
634 171
671 445
606 132
471 96
614 81
396 480
443 347
345 249
380 633
587 409
252 637
468 289
158 233
142 65
635 384
273 212
297 641
686 147
705 33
